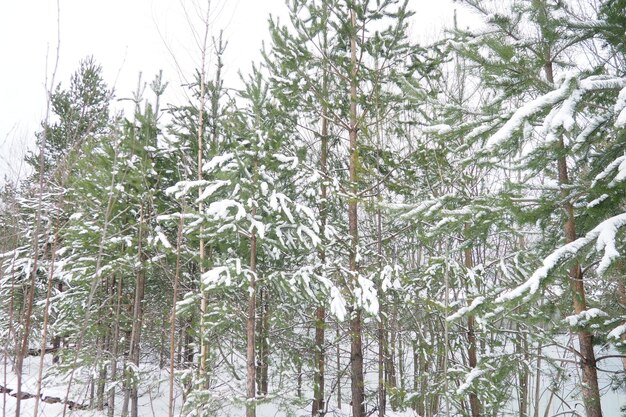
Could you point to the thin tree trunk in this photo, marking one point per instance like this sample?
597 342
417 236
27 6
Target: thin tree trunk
56 340
138 313
179 239
390 348
401 370
320 313
102 374
356 345
299 377
473 361
522 346
338 357
382 395
10 329
115 348
318 383
622 300
471 336
250 327
46 316
589 387
204 349
263 343
21 354
440 369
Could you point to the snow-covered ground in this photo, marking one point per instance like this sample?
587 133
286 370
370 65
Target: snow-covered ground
153 400
560 398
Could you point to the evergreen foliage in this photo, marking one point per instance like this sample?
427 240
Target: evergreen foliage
436 229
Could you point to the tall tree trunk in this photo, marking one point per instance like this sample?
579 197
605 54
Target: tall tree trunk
250 327
589 387
46 315
522 348
622 300
179 239
338 364
21 354
471 336
382 395
56 340
356 345
262 372
115 348
401 370
102 374
390 349
318 405
318 383
473 361
204 349
135 335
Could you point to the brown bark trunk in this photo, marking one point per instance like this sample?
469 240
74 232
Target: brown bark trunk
441 368
102 376
179 238
356 345
204 349
56 340
262 372
401 371
622 300
318 405
356 361
471 336
589 387
138 314
473 361
522 346
250 328
382 394
338 357
21 353
115 343
44 336
390 348
318 383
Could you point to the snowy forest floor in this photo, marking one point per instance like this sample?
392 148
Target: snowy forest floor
154 391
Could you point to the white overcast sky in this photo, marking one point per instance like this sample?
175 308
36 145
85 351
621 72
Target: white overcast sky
127 37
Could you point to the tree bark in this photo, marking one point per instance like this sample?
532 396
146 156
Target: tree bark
179 239
262 372
338 357
471 336
318 405
522 347
115 343
250 328
318 383
138 312
356 345
589 387
622 300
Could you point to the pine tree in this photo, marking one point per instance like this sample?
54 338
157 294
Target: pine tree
82 110
553 131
